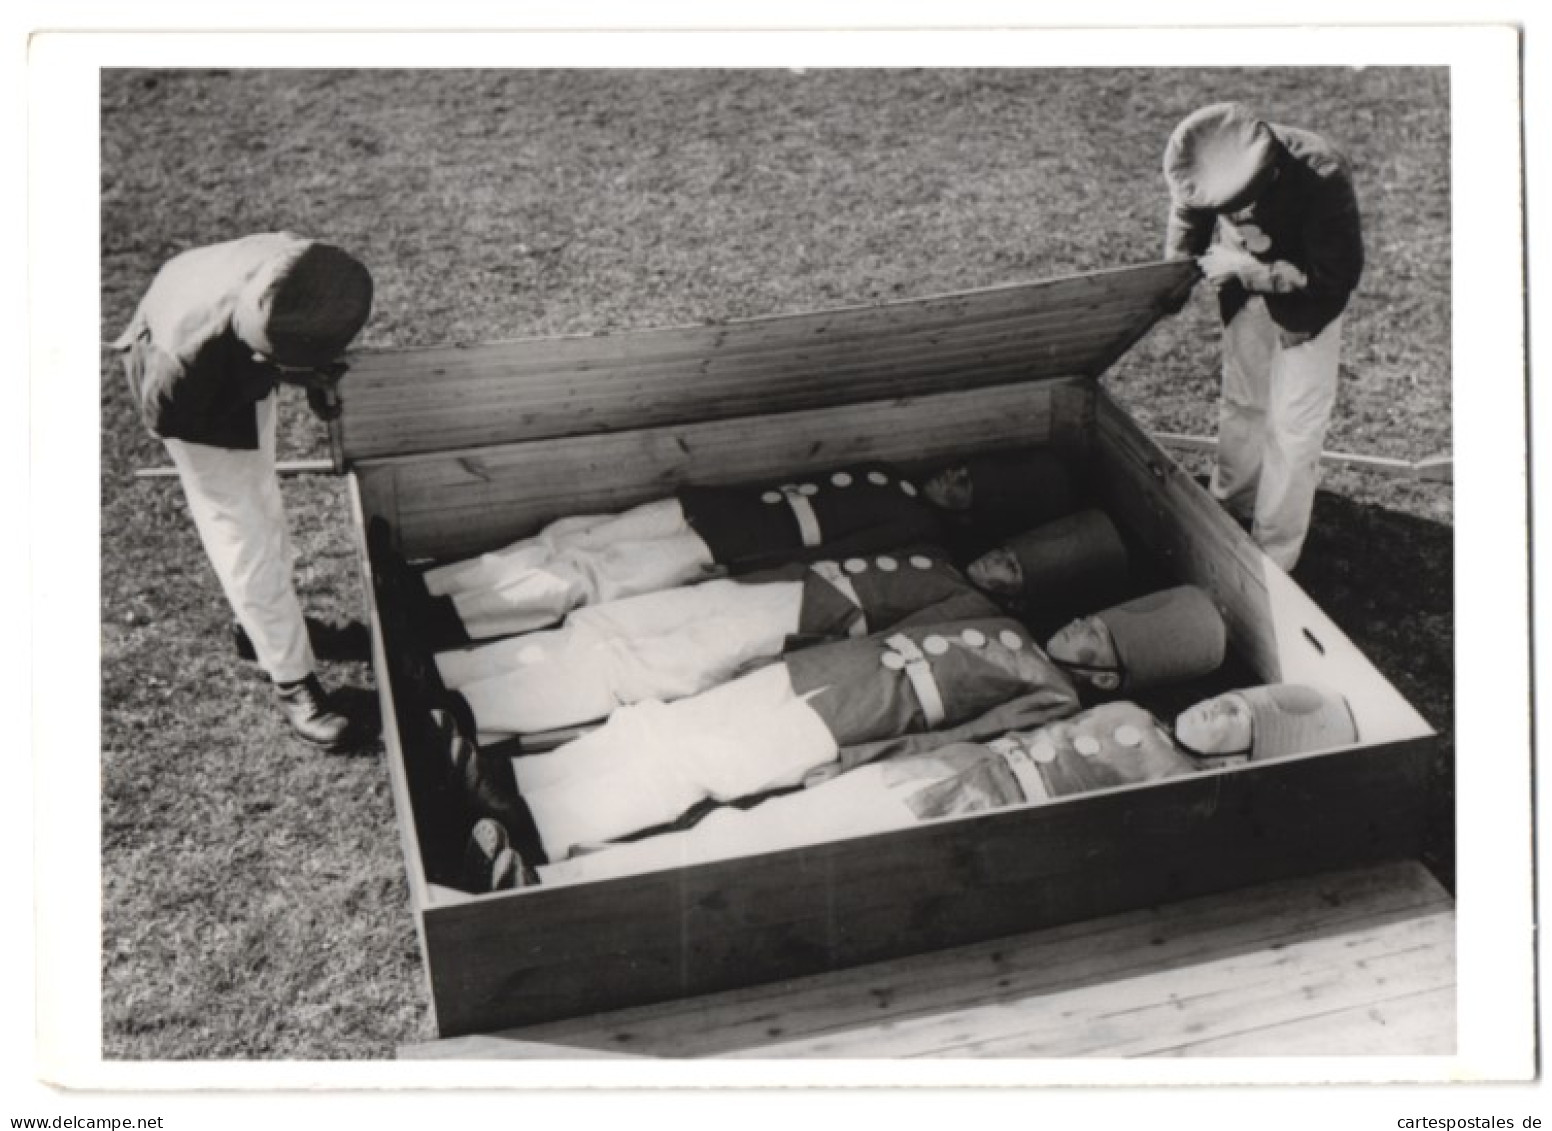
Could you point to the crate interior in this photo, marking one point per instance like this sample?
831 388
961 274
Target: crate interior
441 506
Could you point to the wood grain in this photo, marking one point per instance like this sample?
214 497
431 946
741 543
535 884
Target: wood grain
1272 623
1356 962
551 952
403 402
459 503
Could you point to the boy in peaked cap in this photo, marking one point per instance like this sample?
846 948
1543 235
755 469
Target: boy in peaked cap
218 329
1271 216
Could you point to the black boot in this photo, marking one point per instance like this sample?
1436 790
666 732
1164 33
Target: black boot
306 707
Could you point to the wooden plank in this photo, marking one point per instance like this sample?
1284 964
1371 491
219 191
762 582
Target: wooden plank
459 397
552 952
794 330
489 373
1166 1010
1272 623
464 502
1422 1023
993 975
393 756
1164 980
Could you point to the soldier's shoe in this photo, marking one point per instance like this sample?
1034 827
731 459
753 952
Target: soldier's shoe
489 862
306 707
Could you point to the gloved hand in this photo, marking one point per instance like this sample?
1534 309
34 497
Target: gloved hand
324 402
1223 264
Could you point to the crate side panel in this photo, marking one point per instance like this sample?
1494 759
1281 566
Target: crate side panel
567 951
408 401
1272 623
462 503
398 781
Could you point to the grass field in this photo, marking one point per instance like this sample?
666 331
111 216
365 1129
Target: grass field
253 900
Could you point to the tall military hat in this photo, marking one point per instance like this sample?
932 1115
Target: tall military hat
1017 489
1166 637
1291 718
1071 563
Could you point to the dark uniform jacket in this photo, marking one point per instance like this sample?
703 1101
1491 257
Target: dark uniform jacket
1308 218
986 672
855 510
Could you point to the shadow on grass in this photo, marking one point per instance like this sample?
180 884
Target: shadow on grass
1387 579
343 643
360 705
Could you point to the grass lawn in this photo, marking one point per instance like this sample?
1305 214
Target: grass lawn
253 895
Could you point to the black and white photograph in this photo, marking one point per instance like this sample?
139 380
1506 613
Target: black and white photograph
613 564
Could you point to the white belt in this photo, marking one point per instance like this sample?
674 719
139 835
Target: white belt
803 511
1025 772
841 580
919 671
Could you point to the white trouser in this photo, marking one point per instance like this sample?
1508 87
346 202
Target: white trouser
234 497
584 560
652 761
869 799
664 646
1272 421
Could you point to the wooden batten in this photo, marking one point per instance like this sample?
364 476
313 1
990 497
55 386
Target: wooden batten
459 397
457 503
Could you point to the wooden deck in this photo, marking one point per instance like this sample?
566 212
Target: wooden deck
1351 963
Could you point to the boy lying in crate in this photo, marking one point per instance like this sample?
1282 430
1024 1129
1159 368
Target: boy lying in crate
896 694
1109 745
704 530
680 642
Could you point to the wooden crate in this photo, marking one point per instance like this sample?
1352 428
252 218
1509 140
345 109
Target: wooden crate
461 449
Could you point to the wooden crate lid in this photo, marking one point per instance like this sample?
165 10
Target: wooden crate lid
447 398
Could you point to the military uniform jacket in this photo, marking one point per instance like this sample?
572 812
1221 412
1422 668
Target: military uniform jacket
853 510
962 679
862 594
1307 218
1111 745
